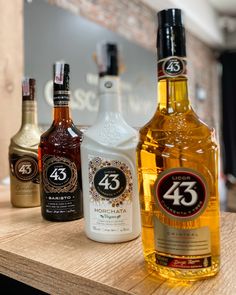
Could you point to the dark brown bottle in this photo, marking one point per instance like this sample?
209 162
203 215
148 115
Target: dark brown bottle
59 157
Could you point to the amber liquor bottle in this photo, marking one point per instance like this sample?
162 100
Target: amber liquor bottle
178 171
23 152
59 157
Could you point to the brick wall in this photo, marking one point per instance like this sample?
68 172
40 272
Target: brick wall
131 19
203 71
137 22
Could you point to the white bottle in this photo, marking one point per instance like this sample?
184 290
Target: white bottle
108 156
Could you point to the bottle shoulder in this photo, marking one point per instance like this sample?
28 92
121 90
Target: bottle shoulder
27 137
62 135
91 150
184 129
112 131
174 123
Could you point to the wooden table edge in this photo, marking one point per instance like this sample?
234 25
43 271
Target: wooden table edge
50 279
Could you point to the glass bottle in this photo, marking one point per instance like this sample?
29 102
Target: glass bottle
59 157
23 152
178 170
111 205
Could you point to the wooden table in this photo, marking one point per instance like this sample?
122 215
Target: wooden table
58 258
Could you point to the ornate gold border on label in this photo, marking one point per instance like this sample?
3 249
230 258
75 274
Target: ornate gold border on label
95 164
71 186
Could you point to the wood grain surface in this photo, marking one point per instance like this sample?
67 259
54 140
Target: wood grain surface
58 258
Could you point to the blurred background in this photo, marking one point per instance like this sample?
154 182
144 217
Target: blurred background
36 33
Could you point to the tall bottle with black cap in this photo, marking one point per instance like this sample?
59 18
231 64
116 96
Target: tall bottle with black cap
23 152
178 170
59 157
111 205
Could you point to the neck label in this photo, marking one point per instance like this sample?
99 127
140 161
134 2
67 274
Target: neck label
172 67
26 87
61 101
59 73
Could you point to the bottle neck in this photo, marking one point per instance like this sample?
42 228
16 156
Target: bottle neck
173 95
109 95
29 113
61 114
61 100
172 70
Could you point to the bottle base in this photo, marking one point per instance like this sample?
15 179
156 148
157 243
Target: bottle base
180 274
111 239
16 205
60 219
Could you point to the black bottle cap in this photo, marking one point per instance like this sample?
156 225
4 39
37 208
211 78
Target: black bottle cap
170 34
28 89
61 76
107 59
170 18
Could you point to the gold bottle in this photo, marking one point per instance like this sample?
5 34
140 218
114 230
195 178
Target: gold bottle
23 153
178 171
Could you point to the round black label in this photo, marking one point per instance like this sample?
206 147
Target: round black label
58 174
181 193
173 66
110 182
26 168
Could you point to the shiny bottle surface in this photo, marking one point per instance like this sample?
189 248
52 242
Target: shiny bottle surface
23 153
59 159
108 155
178 184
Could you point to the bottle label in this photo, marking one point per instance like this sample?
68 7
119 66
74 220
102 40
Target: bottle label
26 87
61 190
61 93
24 168
182 241
172 67
181 193
59 73
61 99
111 190
183 263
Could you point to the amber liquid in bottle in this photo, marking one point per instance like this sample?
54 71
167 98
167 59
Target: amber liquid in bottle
59 159
178 180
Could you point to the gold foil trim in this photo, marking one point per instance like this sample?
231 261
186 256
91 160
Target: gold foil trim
62 92
97 163
71 186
